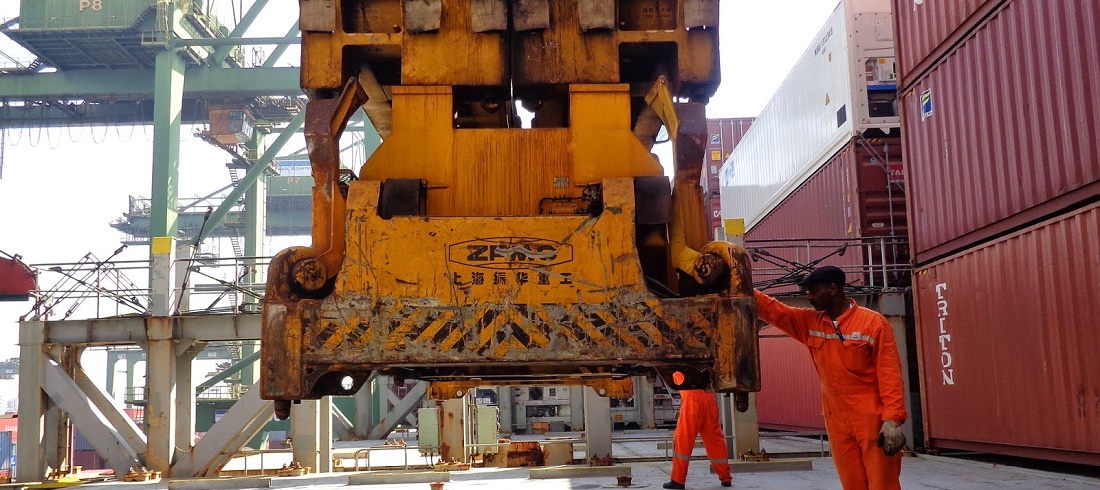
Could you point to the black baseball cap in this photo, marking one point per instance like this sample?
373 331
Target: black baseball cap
823 275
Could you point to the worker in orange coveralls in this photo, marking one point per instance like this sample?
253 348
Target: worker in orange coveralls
856 357
698 415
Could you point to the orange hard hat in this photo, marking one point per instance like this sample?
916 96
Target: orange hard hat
677 378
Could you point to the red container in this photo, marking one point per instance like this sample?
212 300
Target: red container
1012 134
927 30
10 424
847 201
17 280
88 459
790 392
722 136
713 205
1008 343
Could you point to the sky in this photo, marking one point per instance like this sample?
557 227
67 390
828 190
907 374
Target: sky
61 187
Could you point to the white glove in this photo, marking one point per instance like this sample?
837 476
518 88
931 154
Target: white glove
890 438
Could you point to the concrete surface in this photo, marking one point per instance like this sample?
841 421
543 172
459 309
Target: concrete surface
773 465
389 478
578 471
650 467
218 483
917 474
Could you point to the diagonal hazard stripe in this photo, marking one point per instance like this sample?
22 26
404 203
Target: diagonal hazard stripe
434 323
641 325
331 337
557 326
361 333
536 331
458 333
591 324
630 328
502 348
630 337
402 322
667 324
486 329
702 325
605 321
325 335
512 323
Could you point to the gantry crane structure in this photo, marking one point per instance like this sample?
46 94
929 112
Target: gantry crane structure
164 63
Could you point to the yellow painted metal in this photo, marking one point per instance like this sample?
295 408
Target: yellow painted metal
546 298
162 245
577 254
687 232
521 264
734 226
602 141
660 99
454 55
506 172
372 33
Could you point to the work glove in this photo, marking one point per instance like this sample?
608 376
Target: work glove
890 438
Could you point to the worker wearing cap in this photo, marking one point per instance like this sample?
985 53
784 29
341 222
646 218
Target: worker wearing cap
698 415
857 360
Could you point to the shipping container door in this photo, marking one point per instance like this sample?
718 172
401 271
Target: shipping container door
1005 131
1009 343
790 393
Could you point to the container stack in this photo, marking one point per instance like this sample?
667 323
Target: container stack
822 163
723 135
1000 114
85 455
818 180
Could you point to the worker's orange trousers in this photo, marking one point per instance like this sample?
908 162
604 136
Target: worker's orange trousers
853 440
699 415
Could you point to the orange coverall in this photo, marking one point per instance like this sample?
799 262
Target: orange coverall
861 385
699 415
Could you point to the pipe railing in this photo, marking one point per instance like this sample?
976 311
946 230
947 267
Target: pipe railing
365 452
874 264
91 288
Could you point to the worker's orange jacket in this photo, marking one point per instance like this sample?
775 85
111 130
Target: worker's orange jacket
862 374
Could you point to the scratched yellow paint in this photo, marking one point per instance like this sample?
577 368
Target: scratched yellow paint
506 172
465 260
489 277
454 55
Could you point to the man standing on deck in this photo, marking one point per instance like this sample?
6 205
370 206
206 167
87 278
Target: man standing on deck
857 360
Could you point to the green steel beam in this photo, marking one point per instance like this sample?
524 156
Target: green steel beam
255 217
230 371
249 373
280 49
138 83
292 222
257 170
229 42
166 144
238 31
117 113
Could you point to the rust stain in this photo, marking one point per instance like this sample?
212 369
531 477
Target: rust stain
526 453
598 460
403 295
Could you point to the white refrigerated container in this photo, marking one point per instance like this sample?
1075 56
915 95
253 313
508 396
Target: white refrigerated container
843 85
